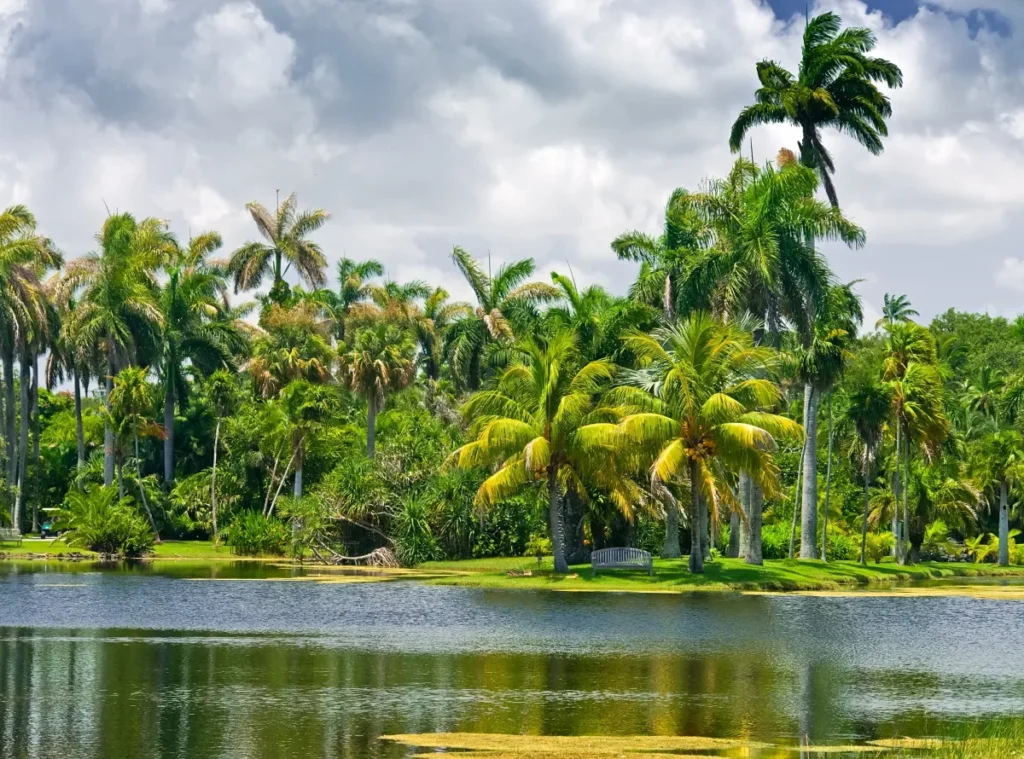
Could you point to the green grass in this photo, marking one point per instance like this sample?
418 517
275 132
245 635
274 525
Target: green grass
721 574
169 549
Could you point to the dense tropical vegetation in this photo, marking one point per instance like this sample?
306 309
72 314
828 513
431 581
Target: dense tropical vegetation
732 401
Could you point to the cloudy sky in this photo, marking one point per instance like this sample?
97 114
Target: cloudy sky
511 127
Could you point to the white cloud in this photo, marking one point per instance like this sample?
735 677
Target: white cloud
1011 274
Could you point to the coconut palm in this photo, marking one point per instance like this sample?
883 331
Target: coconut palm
191 335
131 402
379 362
285 244
896 308
540 424
117 306
868 411
835 88
505 302
696 410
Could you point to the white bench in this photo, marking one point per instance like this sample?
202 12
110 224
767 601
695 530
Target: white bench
621 558
10 535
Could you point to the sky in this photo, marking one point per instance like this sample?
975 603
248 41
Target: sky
513 128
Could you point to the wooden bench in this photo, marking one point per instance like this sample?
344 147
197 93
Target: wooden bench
10 535
621 558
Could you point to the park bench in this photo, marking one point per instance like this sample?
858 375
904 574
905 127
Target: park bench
621 558
10 535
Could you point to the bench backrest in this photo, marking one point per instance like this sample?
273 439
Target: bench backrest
611 556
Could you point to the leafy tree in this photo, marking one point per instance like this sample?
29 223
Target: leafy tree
285 244
99 520
354 288
131 403
433 326
696 410
999 464
533 427
505 301
868 411
835 88
379 362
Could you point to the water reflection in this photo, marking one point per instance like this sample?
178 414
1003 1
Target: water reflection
126 665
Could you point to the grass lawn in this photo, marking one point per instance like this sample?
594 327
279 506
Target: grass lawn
721 574
169 549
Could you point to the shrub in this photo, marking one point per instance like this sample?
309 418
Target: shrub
842 547
96 519
775 540
414 541
250 534
538 545
879 545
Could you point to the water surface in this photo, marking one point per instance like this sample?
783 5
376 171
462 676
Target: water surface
144 663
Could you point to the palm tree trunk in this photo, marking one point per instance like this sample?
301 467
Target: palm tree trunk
108 431
35 441
297 486
867 508
142 490
670 549
896 495
705 530
371 427
905 531
666 297
828 485
696 563
755 516
797 490
1004 526
213 480
732 551
169 400
555 519
573 510
9 424
79 427
19 499
809 506
744 522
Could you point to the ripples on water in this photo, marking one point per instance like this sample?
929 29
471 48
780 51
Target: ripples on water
137 664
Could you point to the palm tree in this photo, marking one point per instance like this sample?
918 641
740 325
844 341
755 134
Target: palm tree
222 391
506 301
380 361
353 288
869 409
999 464
306 405
190 302
696 409
835 87
533 427
432 327
896 308
24 256
117 305
983 394
131 402
294 346
285 244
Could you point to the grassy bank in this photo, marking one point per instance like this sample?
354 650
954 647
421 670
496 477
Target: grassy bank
721 574
169 549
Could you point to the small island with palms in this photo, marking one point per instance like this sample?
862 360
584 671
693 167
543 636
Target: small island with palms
172 407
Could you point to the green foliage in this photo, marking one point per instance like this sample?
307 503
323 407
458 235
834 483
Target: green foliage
96 519
414 538
775 540
251 534
879 545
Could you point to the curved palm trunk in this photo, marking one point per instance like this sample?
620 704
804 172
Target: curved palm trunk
670 549
79 427
809 506
142 491
1004 526
9 425
755 516
744 523
867 509
828 486
696 563
555 519
108 431
19 499
371 427
169 400
213 480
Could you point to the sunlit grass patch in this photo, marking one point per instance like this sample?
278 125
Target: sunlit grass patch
566 746
837 749
914 744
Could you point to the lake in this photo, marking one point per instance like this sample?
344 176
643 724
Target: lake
158 663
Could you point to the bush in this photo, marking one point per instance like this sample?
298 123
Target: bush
879 545
775 540
250 534
96 519
842 547
414 541
538 545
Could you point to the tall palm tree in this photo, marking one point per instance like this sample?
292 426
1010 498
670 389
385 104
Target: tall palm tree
285 244
117 306
868 412
835 88
533 428
24 256
191 299
354 287
379 362
294 346
432 325
697 410
896 308
506 302
131 402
